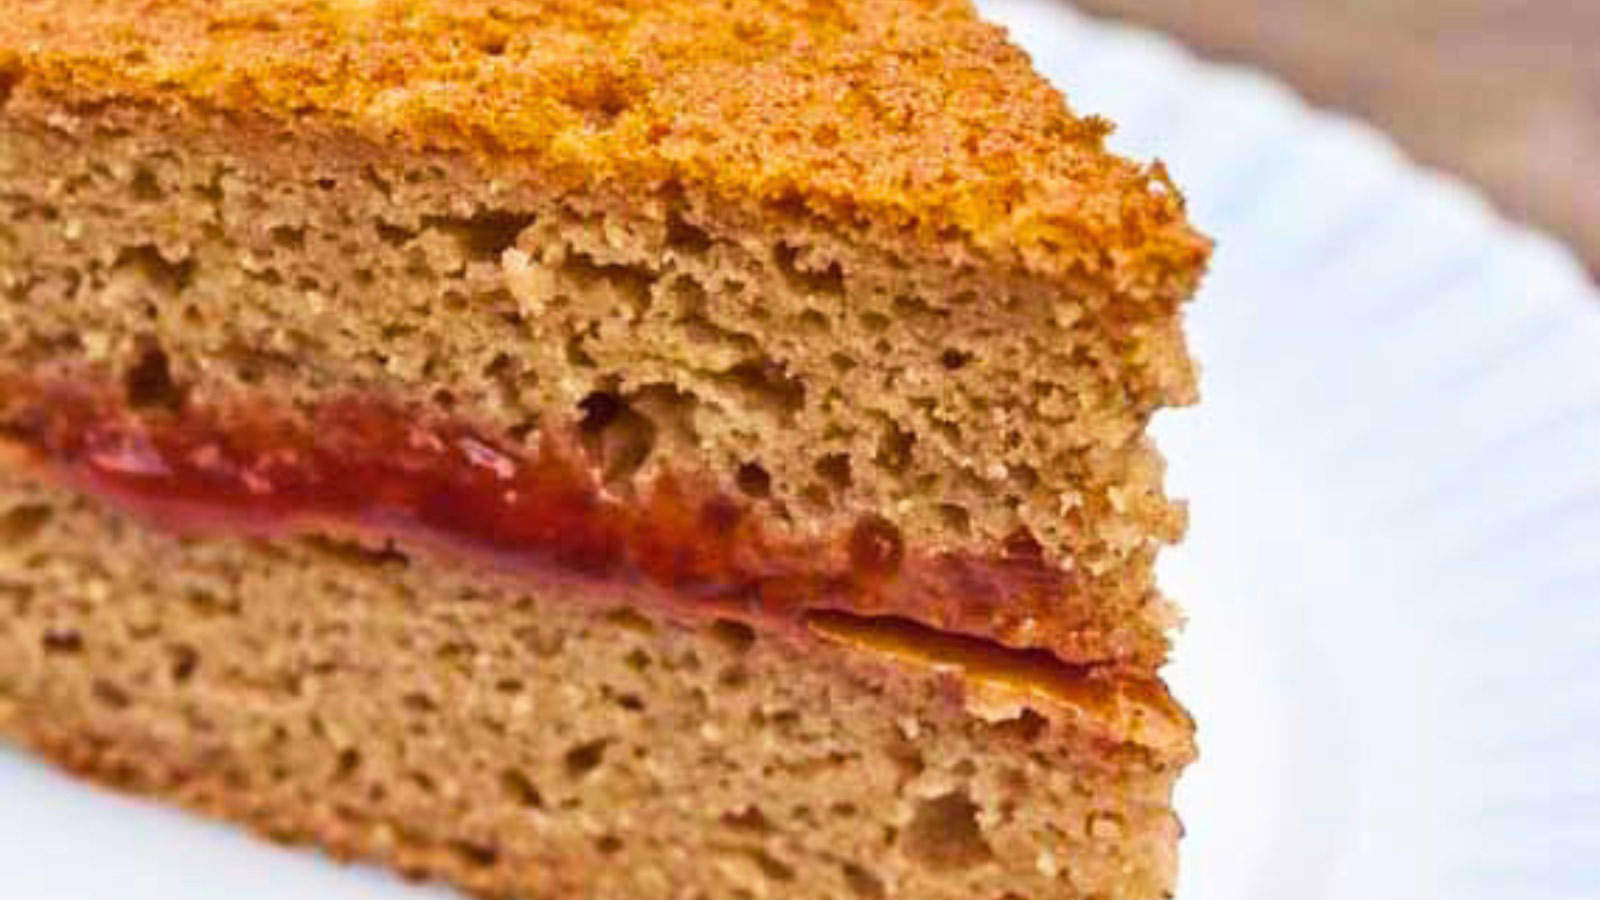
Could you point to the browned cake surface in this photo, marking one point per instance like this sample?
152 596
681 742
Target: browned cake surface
573 449
903 118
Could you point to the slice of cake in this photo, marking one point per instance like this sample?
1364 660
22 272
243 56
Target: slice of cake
592 448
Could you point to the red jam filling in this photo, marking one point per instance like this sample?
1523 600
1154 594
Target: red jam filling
377 469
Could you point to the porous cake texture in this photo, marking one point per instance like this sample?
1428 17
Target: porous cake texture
606 449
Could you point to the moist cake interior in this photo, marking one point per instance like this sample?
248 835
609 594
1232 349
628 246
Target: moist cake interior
647 449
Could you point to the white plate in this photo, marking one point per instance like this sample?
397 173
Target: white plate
1393 575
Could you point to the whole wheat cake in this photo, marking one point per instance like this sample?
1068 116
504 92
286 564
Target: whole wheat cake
679 449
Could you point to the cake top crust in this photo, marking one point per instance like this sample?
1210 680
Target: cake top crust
909 119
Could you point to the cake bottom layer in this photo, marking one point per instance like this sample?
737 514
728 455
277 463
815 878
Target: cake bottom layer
523 742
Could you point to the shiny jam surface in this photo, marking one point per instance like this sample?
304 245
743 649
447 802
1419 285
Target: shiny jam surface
1140 710
373 468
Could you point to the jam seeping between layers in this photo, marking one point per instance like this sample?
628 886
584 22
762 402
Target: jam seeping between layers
374 469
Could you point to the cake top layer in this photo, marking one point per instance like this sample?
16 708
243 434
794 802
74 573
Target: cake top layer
906 119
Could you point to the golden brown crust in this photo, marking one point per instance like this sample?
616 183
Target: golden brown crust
905 119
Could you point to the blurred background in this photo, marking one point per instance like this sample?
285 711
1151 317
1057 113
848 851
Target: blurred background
1503 92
